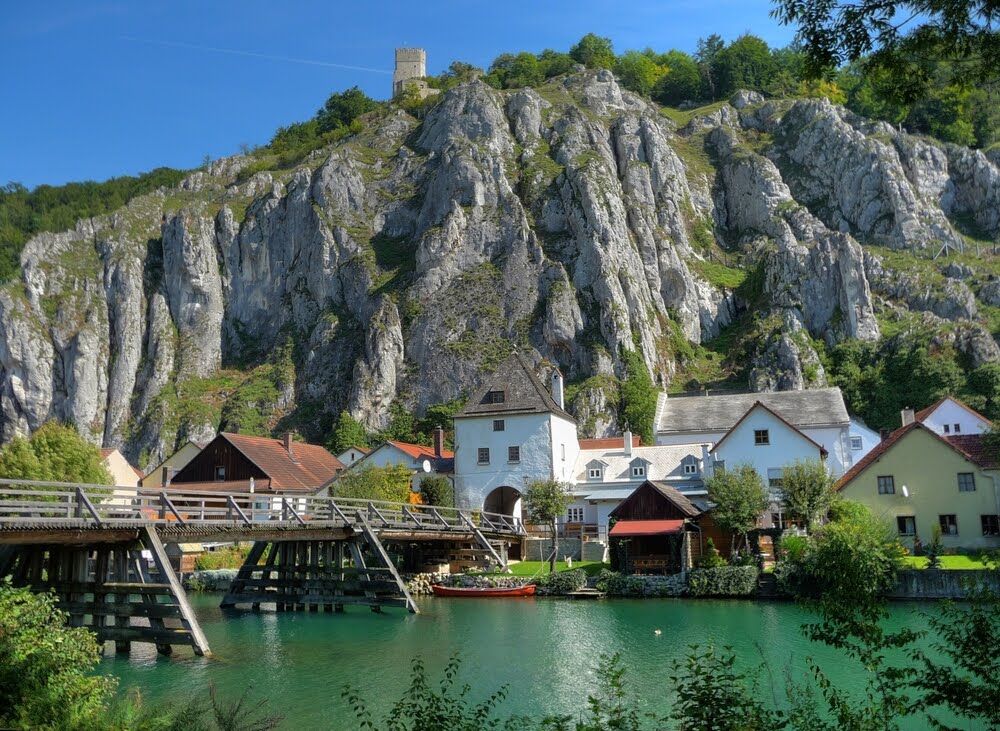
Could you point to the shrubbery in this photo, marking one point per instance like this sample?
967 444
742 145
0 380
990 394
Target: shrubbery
711 558
619 584
723 581
564 581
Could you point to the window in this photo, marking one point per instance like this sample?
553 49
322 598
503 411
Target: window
855 443
484 455
594 473
638 470
498 425
220 473
958 429
886 485
493 397
949 525
778 520
991 525
947 429
966 482
761 437
513 454
907 525
774 478
574 515
690 465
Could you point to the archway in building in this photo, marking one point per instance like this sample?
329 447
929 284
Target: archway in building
507 501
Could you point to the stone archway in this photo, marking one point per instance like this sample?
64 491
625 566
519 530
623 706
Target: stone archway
505 500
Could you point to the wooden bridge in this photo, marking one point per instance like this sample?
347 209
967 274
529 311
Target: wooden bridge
101 550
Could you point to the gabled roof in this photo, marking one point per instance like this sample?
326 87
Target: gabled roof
970 446
419 451
523 393
309 466
924 414
665 460
683 505
719 413
609 442
759 405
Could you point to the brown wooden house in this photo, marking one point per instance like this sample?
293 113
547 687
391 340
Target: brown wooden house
230 461
655 531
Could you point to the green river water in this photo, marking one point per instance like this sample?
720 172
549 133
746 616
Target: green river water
544 650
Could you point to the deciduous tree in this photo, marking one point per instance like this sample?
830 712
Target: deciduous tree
390 483
739 496
545 501
594 52
55 452
807 490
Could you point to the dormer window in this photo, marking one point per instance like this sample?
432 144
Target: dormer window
494 397
639 470
690 465
594 473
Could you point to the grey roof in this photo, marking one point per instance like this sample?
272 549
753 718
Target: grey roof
719 413
523 392
665 461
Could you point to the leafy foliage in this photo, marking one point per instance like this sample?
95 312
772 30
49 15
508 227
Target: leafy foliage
723 581
545 501
342 108
348 433
564 582
711 558
807 489
739 496
390 483
437 490
46 668
638 405
594 52
55 452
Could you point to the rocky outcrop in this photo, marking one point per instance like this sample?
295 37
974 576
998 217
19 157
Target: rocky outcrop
399 264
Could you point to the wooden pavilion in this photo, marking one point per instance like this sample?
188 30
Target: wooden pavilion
652 531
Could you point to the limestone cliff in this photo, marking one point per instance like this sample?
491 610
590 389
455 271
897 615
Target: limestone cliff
576 219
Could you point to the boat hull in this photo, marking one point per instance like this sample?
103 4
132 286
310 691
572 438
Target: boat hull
483 592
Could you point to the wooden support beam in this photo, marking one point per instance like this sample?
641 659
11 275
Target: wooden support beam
483 541
380 552
151 541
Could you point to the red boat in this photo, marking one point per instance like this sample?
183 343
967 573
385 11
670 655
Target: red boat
487 591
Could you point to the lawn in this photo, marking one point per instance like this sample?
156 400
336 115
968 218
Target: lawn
947 562
530 568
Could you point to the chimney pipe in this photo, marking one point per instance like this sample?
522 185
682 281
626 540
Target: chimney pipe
287 441
627 439
883 434
906 416
438 441
557 388
165 477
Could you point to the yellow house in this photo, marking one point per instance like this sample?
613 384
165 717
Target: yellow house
917 478
172 464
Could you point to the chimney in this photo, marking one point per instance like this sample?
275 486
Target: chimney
557 388
165 476
628 443
706 461
883 434
906 416
438 441
287 442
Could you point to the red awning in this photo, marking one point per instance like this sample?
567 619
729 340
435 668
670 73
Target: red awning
646 527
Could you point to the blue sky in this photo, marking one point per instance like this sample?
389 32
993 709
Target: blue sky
94 90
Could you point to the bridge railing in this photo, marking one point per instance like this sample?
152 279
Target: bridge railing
51 503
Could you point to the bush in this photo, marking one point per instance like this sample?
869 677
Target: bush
563 582
618 584
723 581
226 558
792 548
712 559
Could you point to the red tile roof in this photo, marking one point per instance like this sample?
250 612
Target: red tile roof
418 451
925 413
609 442
970 446
309 467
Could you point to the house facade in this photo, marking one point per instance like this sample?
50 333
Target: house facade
420 460
164 472
819 414
512 431
950 417
917 478
352 454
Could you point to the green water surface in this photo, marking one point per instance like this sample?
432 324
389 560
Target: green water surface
544 650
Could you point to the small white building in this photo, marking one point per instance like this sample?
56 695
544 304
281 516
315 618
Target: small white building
420 460
819 413
603 478
352 454
512 431
949 417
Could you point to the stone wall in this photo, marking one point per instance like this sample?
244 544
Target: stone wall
941 584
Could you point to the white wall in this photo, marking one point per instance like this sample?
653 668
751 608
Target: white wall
786 445
949 413
540 438
869 440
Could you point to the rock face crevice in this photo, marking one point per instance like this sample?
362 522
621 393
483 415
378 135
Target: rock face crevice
576 220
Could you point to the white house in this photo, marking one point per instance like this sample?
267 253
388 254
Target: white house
512 431
606 476
949 416
352 454
820 414
417 458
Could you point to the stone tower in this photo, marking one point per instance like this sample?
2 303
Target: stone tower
411 64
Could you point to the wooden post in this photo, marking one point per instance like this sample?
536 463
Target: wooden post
151 541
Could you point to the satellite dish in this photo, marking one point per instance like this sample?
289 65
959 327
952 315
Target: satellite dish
906 491
426 465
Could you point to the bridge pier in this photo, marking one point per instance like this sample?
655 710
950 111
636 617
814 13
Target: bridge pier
105 586
300 575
